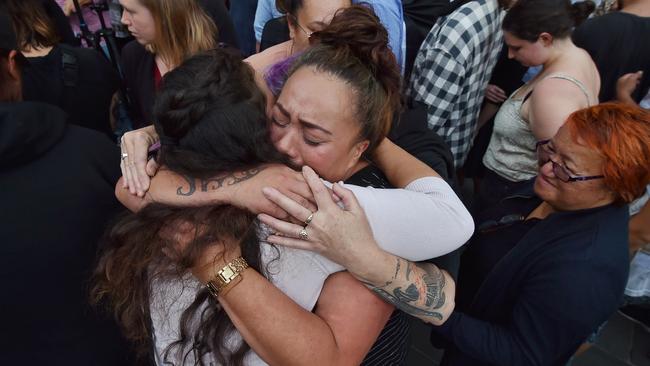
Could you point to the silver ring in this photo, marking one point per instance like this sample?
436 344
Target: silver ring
303 234
124 155
309 218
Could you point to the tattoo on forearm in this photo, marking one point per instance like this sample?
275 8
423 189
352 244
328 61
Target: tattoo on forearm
422 297
408 271
397 269
405 307
213 184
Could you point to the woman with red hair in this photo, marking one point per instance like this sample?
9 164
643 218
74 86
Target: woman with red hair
541 273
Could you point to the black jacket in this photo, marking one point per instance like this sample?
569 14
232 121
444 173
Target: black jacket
78 80
57 197
542 300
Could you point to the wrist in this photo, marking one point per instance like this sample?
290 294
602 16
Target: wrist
376 268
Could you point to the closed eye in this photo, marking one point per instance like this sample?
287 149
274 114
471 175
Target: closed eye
279 123
311 142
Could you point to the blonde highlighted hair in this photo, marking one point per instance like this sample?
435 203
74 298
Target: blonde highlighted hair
183 29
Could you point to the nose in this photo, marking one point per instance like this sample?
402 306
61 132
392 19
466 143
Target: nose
124 19
546 169
287 145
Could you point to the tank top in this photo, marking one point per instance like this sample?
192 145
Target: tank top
512 152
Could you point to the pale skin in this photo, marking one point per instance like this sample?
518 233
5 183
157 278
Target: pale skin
140 22
69 8
344 236
335 318
626 85
553 100
313 16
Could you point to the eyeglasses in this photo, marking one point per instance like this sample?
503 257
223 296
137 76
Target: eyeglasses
295 20
544 154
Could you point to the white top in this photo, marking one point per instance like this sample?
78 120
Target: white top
512 152
424 220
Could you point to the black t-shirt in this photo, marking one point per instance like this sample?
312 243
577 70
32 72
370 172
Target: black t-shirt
619 43
83 88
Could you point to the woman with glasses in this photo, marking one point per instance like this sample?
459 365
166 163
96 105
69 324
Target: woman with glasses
541 273
537 32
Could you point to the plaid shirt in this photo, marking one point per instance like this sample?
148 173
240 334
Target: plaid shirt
453 68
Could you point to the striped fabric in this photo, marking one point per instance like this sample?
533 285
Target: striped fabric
392 345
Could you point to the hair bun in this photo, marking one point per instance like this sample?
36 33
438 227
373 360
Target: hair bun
580 11
358 30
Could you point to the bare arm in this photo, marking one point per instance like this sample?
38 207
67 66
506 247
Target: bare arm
344 236
626 85
640 228
400 167
346 321
552 101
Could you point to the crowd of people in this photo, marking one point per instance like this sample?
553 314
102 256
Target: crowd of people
253 182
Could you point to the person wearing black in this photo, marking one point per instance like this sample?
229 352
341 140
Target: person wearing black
60 22
79 81
543 272
157 49
618 43
57 195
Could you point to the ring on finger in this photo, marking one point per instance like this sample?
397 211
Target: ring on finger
303 234
309 218
124 155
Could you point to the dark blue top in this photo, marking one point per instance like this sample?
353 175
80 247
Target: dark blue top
561 280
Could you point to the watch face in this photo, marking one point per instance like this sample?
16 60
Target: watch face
227 273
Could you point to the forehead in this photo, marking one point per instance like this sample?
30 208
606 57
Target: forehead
129 4
512 40
320 98
575 149
320 10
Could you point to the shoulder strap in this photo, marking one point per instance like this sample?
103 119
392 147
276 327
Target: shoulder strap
574 81
70 66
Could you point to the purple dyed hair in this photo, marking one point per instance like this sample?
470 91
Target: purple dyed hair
278 73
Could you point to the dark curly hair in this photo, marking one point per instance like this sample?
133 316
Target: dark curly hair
527 19
210 116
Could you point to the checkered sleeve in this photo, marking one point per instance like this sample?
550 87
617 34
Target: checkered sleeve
437 82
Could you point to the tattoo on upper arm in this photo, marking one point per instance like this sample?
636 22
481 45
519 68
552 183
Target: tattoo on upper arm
213 184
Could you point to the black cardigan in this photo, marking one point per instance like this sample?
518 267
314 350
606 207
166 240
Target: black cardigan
562 280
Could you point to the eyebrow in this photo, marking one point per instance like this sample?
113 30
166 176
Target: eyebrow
307 124
565 158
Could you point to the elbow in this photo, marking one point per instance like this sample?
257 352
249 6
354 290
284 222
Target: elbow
466 226
130 201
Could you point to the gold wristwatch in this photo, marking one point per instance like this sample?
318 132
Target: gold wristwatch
229 274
